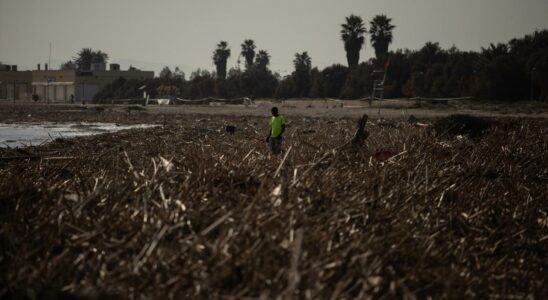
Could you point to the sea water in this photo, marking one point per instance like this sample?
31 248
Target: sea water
32 134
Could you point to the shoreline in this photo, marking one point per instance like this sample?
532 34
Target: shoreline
155 114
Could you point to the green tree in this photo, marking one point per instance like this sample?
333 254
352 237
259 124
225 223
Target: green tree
87 56
248 52
538 68
99 57
220 57
316 84
529 44
201 85
352 34
69 65
178 74
430 54
504 79
494 51
301 75
166 73
398 74
83 58
262 60
334 78
302 62
359 82
381 34
286 88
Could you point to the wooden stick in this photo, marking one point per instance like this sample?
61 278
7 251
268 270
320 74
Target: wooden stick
293 275
283 160
360 134
215 224
35 157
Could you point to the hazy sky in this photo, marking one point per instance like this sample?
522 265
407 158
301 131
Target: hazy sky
152 33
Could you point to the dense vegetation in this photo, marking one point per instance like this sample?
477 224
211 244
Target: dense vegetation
512 71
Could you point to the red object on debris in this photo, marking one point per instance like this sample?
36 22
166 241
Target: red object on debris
383 154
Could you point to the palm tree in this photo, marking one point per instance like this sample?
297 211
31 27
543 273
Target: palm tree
262 60
69 65
301 76
220 57
178 74
381 34
494 51
302 62
83 59
538 68
87 56
430 53
248 51
99 57
166 73
352 34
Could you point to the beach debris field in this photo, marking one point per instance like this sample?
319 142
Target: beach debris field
188 210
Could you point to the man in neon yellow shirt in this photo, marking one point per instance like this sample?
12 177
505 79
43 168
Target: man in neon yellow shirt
277 128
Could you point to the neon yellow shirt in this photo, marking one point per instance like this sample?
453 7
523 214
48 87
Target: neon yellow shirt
276 124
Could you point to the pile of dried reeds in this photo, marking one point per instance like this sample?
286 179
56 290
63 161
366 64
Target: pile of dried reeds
188 211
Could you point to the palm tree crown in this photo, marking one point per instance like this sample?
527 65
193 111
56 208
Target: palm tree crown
262 60
381 34
222 53
302 62
352 34
248 51
87 56
99 57
220 57
494 51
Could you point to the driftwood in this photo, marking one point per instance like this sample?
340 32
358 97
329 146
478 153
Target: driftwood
174 212
34 157
360 135
208 100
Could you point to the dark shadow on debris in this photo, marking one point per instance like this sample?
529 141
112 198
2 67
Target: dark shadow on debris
454 125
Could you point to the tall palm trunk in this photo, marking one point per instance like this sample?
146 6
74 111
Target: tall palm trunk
220 57
352 34
221 70
353 57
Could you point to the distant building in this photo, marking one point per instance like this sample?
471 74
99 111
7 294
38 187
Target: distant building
61 85
14 84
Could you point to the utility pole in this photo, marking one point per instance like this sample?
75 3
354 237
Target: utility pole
49 60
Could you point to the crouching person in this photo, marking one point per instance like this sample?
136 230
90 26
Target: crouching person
277 128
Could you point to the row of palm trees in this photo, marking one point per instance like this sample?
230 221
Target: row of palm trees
260 59
515 70
353 35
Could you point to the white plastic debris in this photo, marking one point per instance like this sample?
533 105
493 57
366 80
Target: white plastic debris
276 196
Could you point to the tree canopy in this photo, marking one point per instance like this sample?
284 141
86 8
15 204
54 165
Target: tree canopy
380 31
353 35
507 71
220 57
262 60
87 56
248 52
